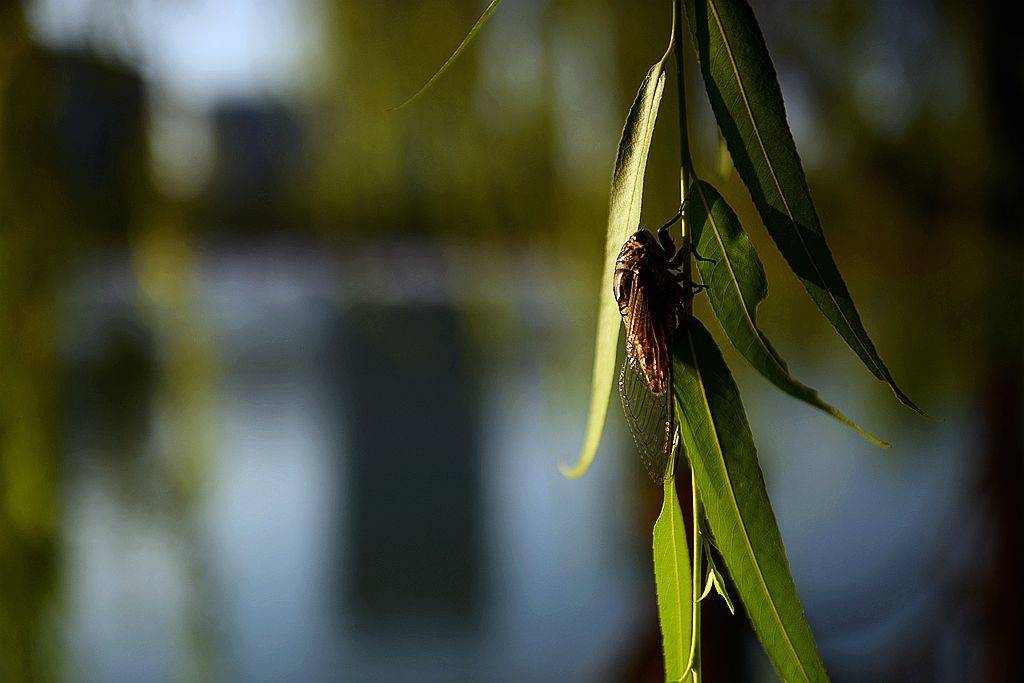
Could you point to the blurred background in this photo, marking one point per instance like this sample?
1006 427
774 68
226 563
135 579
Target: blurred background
285 381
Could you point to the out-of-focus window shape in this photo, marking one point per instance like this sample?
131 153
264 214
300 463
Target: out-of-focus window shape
99 131
260 147
412 396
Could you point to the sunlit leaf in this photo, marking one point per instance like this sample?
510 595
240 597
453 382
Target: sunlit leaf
455 55
709 584
719 582
724 165
672 577
745 96
717 441
715 581
623 219
736 286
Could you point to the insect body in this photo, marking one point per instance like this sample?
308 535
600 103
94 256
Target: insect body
653 300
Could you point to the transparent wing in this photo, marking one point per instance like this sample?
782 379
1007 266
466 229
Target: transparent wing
649 416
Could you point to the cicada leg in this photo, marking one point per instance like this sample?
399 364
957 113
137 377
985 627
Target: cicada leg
665 239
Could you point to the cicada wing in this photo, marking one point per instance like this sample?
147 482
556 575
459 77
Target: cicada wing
647 338
649 416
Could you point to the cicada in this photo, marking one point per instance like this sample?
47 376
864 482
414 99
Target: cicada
654 301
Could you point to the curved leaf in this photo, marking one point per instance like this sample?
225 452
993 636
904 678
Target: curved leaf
455 55
673 580
745 96
736 285
623 218
717 440
717 581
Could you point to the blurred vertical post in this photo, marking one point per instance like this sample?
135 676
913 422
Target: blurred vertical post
1001 390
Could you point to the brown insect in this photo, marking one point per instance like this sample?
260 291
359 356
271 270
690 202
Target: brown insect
654 301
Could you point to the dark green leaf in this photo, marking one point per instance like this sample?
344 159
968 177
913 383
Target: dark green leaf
623 219
718 443
672 577
455 55
747 102
736 285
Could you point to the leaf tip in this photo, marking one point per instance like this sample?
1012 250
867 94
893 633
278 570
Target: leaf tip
881 443
576 471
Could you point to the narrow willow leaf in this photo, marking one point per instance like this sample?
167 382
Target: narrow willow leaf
672 578
717 440
745 96
455 55
736 286
623 219
716 581
719 581
709 584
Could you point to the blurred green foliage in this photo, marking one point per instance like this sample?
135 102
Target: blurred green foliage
33 232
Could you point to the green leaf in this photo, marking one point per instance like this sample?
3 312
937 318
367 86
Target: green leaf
455 55
736 285
623 219
672 578
718 443
709 583
716 581
724 160
745 96
719 582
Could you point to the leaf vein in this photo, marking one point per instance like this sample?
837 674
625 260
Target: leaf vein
675 562
735 504
782 194
736 283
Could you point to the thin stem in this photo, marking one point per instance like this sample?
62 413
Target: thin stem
686 163
685 160
685 175
696 583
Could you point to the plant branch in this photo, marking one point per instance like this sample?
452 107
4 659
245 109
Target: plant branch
695 583
685 160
